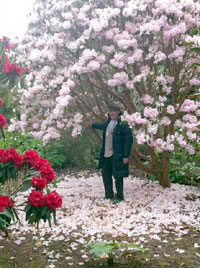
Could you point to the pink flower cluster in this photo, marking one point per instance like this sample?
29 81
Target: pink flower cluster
133 48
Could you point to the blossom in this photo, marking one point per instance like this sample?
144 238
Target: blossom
147 99
35 55
30 157
170 109
191 136
12 69
36 198
141 138
1 103
5 202
66 25
189 106
152 129
165 121
160 56
39 162
151 113
53 200
4 156
121 77
2 121
47 172
38 183
15 157
194 82
93 66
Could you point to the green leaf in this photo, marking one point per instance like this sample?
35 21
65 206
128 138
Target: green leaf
27 208
26 186
3 223
100 248
44 211
188 44
196 50
31 219
3 88
7 214
3 59
28 213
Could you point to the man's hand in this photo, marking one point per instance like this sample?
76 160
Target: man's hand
89 124
125 161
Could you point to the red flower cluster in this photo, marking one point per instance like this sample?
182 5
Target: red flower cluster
39 164
30 157
10 154
6 43
10 68
38 183
1 103
2 121
36 198
5 202
47 172
51 200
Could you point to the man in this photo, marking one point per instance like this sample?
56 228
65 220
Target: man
115 151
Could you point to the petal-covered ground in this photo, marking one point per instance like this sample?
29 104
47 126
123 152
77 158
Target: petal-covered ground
149 213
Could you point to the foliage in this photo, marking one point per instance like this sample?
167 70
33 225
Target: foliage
82 151
53 151
99 248
185 169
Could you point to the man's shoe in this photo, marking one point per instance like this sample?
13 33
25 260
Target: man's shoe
116 201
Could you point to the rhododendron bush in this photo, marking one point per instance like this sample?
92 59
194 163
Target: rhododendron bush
85 54
29 170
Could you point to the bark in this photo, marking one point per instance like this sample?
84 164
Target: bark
164 178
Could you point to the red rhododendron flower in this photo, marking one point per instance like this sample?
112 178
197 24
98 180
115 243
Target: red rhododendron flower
39 163
38 182
30 157
15 157
10 68
10 155
47 172
53 200
4 156
5 202
2 120
36 198
1 103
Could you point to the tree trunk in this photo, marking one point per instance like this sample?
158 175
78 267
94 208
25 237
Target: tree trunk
164 178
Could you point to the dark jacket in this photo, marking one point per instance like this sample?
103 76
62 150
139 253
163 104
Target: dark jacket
122 142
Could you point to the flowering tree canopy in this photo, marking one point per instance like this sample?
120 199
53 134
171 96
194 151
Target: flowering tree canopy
85 54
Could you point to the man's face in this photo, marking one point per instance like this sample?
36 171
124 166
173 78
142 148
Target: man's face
113 114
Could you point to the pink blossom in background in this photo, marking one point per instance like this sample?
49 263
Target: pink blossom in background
170 109
142 61
150 113
147 99
165 121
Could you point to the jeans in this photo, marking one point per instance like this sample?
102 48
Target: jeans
107 173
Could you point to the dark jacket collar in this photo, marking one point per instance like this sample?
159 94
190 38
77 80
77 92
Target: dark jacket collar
118 120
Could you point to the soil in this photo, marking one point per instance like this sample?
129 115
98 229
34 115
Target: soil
170 250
